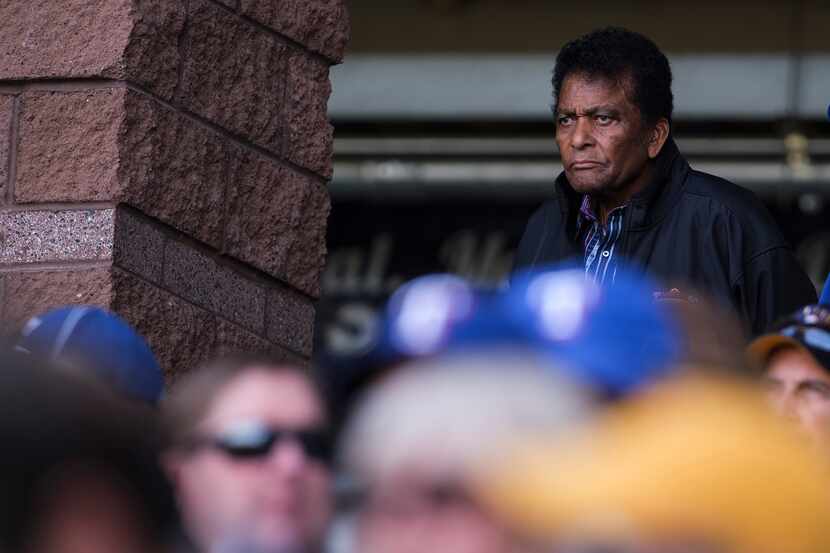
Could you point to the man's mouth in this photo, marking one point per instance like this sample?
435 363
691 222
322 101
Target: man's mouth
584 164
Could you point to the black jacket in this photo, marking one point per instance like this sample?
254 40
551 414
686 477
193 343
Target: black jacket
689 227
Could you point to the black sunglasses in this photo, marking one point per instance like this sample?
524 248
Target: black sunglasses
253 439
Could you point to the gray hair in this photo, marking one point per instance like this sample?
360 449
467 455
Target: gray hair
449 416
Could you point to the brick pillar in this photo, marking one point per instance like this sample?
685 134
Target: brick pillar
168 159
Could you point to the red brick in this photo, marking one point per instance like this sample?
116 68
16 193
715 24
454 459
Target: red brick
31 293
198 278
173 169
277 222
239 87
43 236
123 39
68 146
152 56
6 108
320 25
307 254
289 320
63 38
181 335
232 339
139 245
310 135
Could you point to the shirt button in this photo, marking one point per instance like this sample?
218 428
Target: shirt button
605 253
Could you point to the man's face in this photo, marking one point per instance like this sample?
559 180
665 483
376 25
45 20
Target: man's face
601 136
276 501
413 514
799 388
85 509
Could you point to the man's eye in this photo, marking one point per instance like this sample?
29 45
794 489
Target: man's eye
771 384
565 120
604 119
819 390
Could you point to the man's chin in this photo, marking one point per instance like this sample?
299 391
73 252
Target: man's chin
267 537
280 533
585 182
250 545
590 189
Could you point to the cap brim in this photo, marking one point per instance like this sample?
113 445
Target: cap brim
761 348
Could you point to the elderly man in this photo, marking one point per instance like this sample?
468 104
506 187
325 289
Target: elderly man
796 362
250 460
416 444
626 192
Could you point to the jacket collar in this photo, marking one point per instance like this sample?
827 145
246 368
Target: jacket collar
649 206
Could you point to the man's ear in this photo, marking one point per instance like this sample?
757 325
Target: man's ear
657 137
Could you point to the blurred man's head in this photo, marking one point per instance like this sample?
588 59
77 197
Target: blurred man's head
80 470
796 362
97 344
713 336
417 441
251 462
613 107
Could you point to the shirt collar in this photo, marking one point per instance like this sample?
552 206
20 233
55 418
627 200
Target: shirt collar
587 212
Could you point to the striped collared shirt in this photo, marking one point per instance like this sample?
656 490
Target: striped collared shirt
600 241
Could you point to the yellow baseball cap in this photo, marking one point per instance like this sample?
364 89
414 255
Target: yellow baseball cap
693 459
807 330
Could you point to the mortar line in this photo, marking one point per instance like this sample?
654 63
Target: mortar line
59 206
180 46
286 40
38 266
79 84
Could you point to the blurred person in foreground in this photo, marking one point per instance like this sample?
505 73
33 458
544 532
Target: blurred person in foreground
613 340
424 430
795 358
89 340
626 191
80 469
251 457
691 466
713 337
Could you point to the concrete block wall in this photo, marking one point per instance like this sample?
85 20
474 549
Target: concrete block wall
169 160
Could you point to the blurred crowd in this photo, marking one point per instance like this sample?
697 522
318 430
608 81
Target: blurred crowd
558 415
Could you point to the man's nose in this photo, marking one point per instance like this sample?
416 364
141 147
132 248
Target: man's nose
288 456
582 136
786 404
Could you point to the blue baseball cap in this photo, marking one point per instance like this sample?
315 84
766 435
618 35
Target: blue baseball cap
89 338
615 337
431 313
825 294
